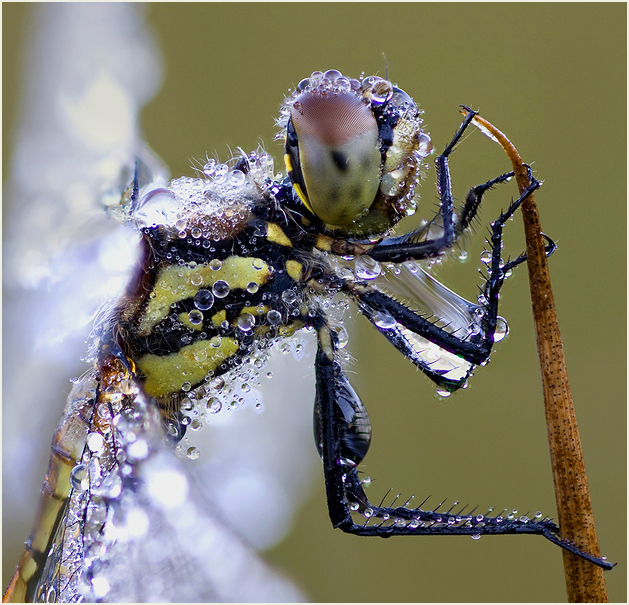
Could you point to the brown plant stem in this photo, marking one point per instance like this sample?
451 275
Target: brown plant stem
585 582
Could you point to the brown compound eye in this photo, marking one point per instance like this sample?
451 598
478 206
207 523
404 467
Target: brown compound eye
336 154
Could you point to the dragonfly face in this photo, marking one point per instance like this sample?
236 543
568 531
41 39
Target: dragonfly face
353 151
238 259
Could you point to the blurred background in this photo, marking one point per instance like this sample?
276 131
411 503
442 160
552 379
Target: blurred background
553 78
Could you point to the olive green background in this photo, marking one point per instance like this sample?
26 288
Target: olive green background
553 78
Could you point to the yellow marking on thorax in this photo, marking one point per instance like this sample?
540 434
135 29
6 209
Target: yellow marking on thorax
324 242
178 283
290 328
257 310
294 269
219 318
166 374
276 235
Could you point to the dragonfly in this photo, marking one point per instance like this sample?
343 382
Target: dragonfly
236 261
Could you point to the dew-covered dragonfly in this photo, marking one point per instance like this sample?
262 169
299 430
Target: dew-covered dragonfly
232 263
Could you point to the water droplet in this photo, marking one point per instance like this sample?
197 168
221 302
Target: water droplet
216 264
366 267
79 478
214 405
485 257
384 320
274 317
246 322
424 146
252 287
216 341
220 289
95 442
193 453
443 393
195 317
502 329
209 168
475 536
343 336
258 263
289 296
236 178
200 355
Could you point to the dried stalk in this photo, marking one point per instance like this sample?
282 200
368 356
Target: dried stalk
585 582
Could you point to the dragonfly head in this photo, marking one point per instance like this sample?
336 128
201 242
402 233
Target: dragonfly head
354 151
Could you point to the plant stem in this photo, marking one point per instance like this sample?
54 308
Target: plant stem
585 582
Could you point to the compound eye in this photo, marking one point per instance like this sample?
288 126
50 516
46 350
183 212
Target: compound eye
338 154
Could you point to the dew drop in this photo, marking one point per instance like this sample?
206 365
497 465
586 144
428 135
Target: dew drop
209 168
384 320
193 453
203 300
79 478
366 267
502 329
200 355
195 317
343 336
95 442
220 289
274 317
289 296
246 322
214 405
